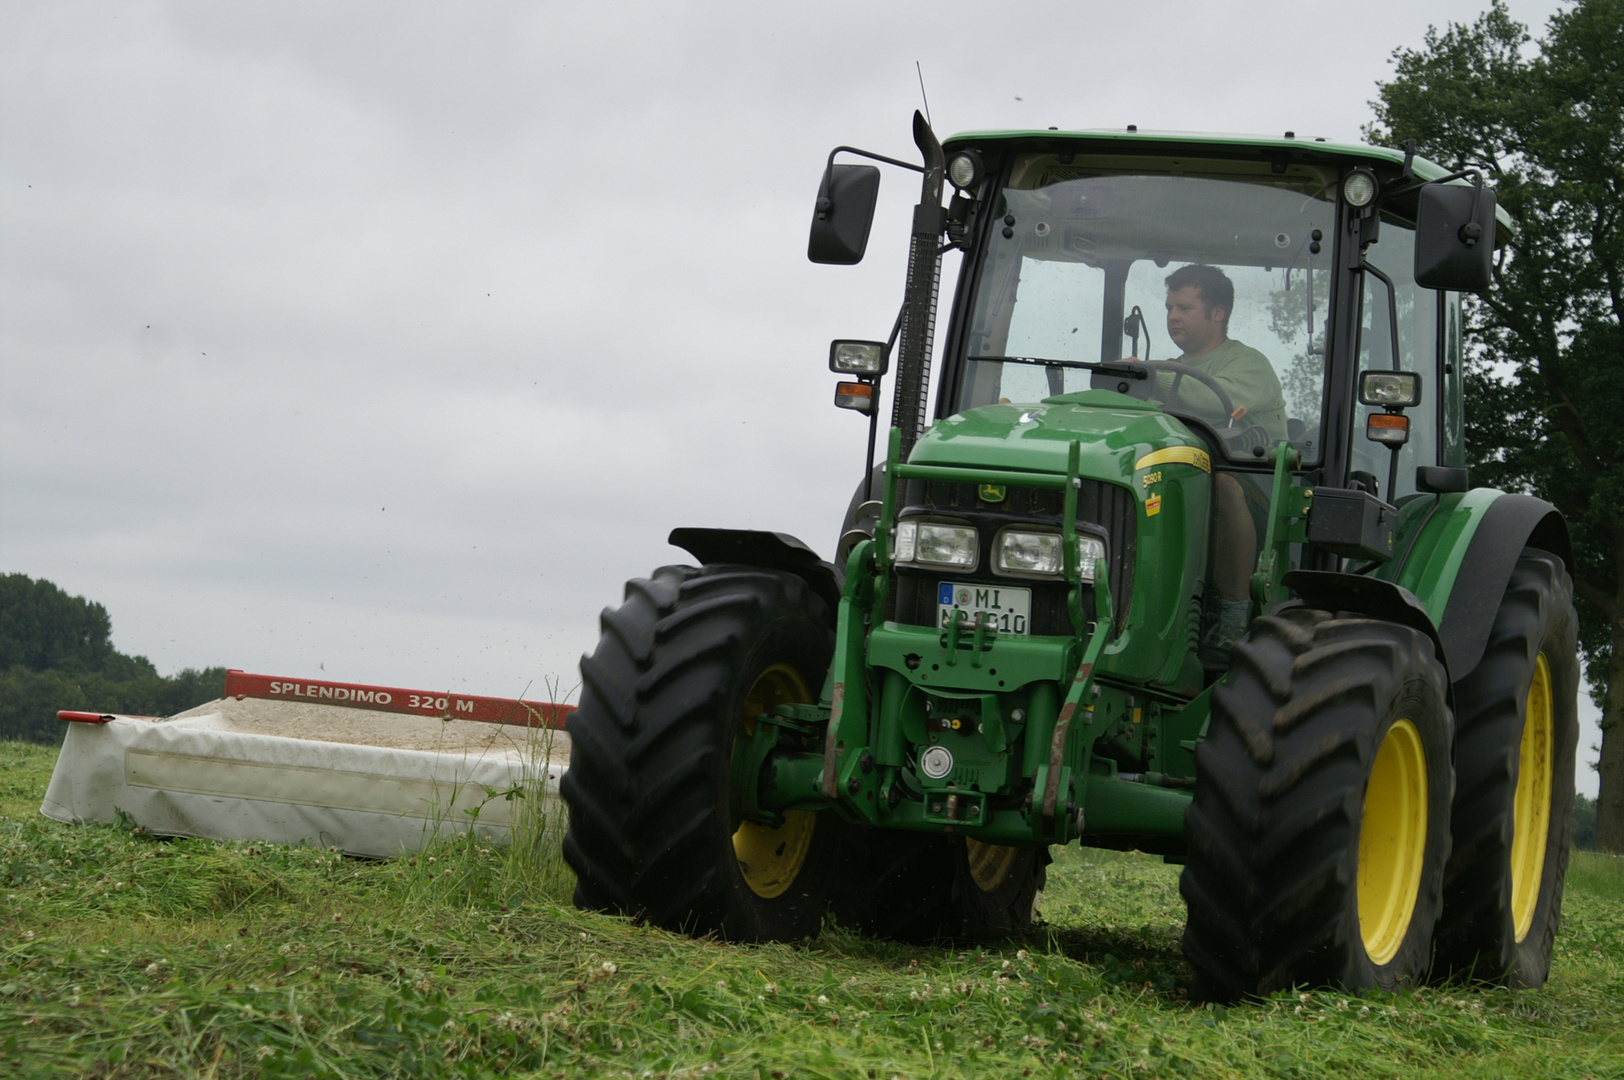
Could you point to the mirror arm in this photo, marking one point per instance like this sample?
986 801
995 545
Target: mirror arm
1413 184
829 171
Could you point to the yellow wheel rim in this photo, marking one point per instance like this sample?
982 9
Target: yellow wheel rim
1392 841
1532 807
770 859
989 863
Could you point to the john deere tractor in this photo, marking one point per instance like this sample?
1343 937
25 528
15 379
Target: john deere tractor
1027 639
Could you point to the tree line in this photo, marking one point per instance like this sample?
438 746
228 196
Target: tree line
56 652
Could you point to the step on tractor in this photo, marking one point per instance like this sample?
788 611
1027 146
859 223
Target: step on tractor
1219 592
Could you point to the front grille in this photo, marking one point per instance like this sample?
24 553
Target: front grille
913 596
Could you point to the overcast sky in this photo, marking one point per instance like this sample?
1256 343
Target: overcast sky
385 341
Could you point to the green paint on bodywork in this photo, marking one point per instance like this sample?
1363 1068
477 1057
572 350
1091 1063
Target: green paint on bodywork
1113 430
1111 433
1436 542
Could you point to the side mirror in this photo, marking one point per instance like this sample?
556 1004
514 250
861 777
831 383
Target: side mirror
1454 237
844 214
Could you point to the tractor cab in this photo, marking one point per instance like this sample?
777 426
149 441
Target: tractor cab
1240 293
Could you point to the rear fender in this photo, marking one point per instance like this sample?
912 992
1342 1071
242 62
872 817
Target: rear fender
1459 558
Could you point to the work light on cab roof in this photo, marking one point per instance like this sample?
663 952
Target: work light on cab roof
1359 187
964 170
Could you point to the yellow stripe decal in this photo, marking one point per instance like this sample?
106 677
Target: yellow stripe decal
1175 455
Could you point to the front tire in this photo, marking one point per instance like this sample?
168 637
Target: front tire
1514 765
1320 824
690 658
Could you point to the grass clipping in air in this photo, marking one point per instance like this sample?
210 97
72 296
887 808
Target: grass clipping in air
123 955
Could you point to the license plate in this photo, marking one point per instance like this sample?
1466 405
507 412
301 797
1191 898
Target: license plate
1007 610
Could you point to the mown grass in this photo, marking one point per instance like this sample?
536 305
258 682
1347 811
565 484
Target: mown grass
124 955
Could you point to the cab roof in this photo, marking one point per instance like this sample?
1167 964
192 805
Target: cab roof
1120 139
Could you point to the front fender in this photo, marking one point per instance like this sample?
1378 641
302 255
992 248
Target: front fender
1333 591
767 550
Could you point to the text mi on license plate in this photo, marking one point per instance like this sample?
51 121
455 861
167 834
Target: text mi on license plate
1007 610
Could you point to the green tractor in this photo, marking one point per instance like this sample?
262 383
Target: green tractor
1237 606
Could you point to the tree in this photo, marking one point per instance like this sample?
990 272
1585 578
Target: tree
56 652
1545 387
43 627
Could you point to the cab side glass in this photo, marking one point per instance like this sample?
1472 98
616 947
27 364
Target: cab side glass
1454 248
844 214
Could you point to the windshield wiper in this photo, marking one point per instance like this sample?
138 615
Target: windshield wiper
1114 367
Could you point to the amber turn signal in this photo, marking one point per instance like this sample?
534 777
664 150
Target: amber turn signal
1390 428
855 395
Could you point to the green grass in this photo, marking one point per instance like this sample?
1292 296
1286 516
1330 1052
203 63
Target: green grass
124 955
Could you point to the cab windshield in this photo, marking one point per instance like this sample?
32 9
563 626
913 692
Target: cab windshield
1078 268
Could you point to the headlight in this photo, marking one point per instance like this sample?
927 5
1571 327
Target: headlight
1089 550
1029 552
1399 389
936 545
857 357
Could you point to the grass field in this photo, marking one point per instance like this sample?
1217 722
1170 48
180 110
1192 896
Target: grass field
124 955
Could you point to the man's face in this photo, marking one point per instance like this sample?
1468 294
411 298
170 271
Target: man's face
1193 326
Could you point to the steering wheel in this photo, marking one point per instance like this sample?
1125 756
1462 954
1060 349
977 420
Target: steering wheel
1180 370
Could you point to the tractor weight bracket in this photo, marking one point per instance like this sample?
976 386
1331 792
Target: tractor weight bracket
982 635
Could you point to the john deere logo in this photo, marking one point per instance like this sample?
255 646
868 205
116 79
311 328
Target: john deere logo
992 492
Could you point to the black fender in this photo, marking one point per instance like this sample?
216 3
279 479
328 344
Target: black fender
1331 590
767 550
1511 523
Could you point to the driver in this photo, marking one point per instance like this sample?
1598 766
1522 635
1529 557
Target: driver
1199 301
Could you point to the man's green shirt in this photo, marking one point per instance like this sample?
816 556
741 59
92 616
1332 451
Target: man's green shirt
1246 376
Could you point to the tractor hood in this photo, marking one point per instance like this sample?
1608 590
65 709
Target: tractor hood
1115 432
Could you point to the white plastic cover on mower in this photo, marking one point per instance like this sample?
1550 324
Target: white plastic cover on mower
300 771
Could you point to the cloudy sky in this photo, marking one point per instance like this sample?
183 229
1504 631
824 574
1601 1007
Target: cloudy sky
385 341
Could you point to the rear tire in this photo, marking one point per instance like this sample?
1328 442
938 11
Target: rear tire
1514 764
687 659
1320 824
920 887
